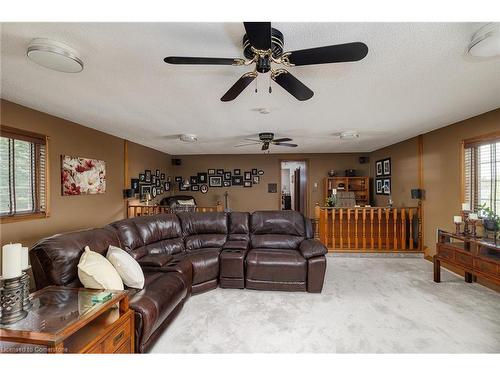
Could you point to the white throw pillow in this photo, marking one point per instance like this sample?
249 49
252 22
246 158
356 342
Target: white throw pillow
96 272
186 202
129 270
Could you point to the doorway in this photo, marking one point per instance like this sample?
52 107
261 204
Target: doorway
294 185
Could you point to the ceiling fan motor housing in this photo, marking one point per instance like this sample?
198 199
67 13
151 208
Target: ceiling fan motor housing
266 137
264 63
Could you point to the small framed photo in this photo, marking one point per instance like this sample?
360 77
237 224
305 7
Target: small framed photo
379 182
157 173
161 191
142 177
227 176
195 187
182 187
153 179
134 184
254 172
154 191
162 176
193 180
204 189
220 172
166 185
215 181
237 181
226 183
145 189
379 168
387 186
211 172
147 175
247 184
255 179
158 183
248 176
202 178
237 172
260 172
272 188
387 167
178 178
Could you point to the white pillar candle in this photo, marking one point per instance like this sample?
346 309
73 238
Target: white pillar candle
24 258
465 207
473 216
11 260
457 219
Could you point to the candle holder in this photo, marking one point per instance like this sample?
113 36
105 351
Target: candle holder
465 216
25 279
457 228
11 300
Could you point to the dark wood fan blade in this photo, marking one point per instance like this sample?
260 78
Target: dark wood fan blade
265 146
286 144
246 144
259 34
292 85
200 60
282 140
238 87
329 54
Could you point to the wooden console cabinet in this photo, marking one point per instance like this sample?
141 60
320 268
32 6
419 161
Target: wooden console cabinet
66 320
477 257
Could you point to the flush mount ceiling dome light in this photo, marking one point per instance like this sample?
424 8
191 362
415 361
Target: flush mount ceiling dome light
54 55
190 138
349 135
486 41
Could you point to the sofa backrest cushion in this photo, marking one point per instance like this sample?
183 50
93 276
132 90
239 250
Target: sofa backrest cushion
277 229
54 259
153 234
239 226
203 229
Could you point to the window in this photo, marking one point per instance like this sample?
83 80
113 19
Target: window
23 172
482 172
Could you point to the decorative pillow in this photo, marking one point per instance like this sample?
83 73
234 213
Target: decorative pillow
186 202
129 270
96 272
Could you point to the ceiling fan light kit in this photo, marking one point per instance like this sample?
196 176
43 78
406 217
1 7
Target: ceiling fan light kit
189 138
349 135
264 46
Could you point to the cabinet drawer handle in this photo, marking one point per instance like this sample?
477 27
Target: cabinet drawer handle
117 338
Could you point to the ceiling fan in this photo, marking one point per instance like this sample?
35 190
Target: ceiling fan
267 139
263 46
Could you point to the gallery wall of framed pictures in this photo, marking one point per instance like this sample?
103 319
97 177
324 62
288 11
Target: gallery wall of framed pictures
383 172
153 182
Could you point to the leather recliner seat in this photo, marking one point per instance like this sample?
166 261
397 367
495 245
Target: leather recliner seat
190 253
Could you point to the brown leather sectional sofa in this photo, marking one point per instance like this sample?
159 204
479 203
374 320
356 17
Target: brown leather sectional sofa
189 253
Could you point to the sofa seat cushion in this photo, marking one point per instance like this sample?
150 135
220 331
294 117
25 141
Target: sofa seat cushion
276 265
155 260
198 241
205 264
161 294
276 241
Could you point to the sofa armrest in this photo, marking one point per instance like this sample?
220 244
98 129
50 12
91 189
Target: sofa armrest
236 245
154 260
312 248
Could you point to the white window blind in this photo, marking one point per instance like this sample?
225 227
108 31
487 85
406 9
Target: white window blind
22 173
482 174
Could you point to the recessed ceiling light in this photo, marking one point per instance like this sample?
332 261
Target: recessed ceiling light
486 41
349 135
54 55
190 138
264 111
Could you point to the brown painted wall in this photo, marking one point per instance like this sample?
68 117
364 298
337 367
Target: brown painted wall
141 158
404 172
85 211
257 197
442 175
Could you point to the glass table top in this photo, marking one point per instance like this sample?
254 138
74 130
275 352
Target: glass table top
55 309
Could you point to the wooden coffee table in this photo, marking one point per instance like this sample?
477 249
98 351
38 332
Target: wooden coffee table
65 320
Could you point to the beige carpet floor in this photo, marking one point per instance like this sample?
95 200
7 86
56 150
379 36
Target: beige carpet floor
377 304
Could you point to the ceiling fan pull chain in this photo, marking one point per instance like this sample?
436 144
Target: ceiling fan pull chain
256 85
270 88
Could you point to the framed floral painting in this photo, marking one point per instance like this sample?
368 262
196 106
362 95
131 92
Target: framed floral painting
82 176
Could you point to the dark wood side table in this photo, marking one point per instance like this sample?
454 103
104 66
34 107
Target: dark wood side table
65 320
475 256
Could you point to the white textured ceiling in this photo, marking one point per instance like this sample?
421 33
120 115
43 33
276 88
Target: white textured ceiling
415 78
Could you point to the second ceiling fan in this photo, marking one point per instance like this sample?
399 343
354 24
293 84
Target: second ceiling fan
263 46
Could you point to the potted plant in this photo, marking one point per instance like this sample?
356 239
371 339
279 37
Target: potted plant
491 220
331 200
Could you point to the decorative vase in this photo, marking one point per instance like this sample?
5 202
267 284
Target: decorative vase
332 173
490 225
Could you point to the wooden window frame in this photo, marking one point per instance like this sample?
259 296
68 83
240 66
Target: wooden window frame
7 131
473 142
